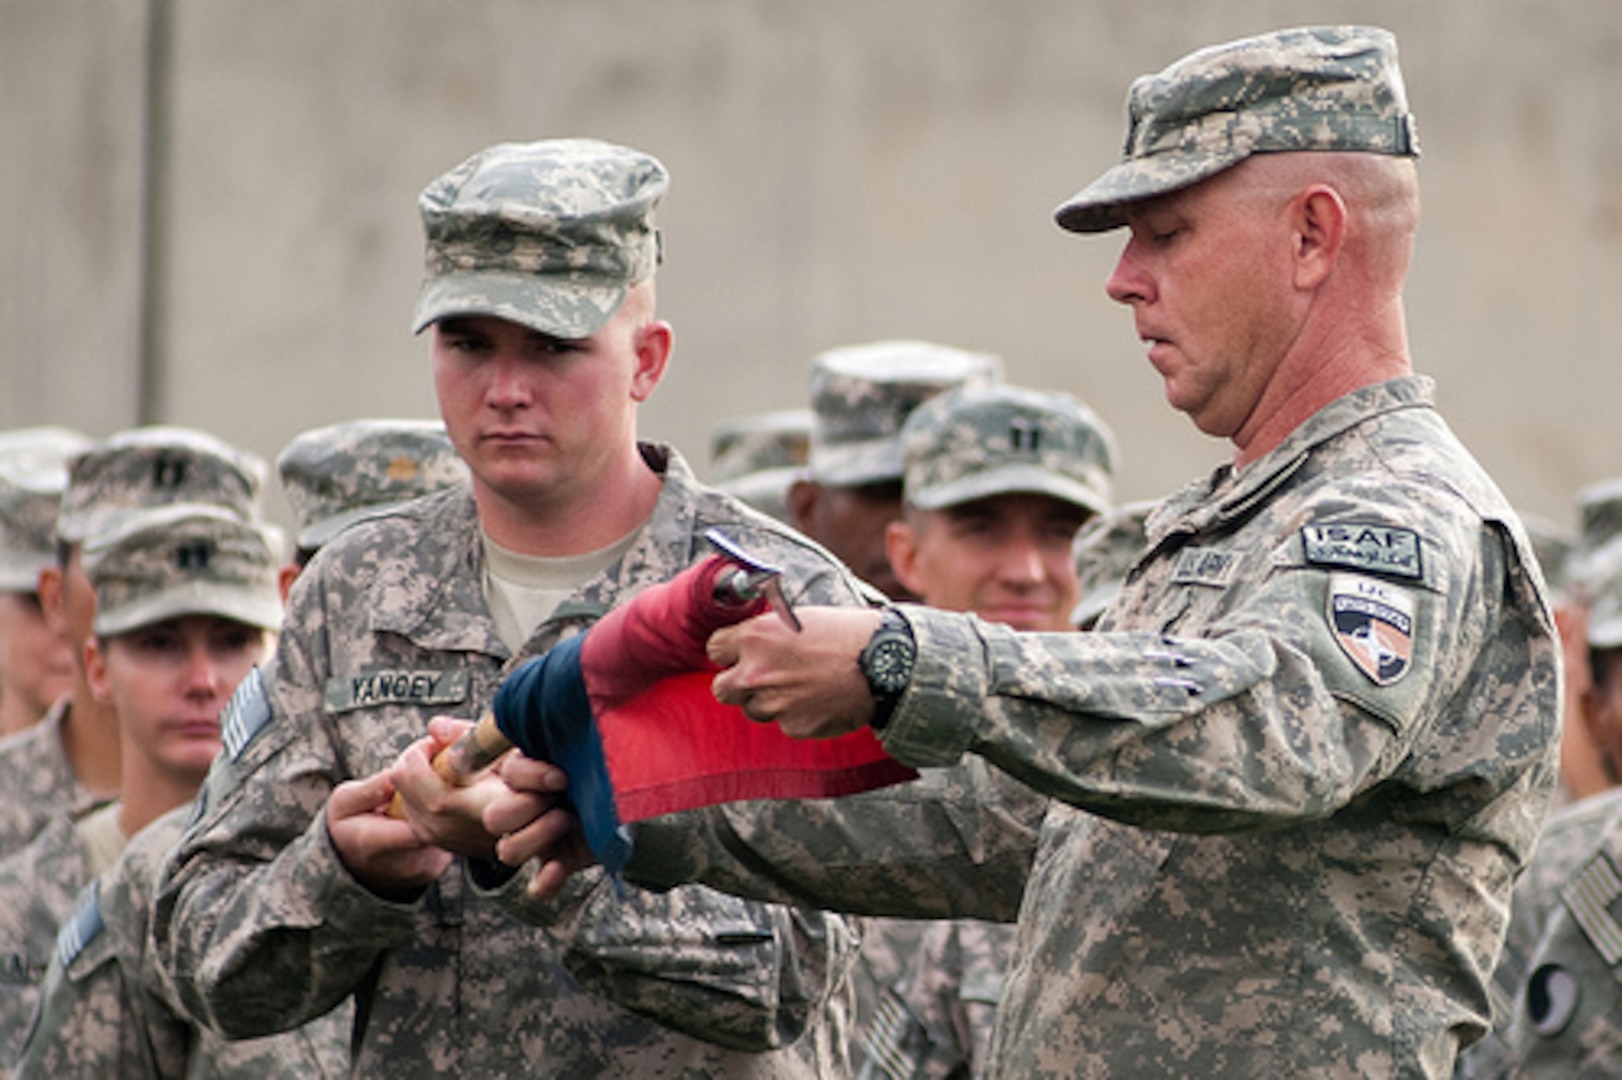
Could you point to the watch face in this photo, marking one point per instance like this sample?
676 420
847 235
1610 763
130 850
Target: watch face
889 665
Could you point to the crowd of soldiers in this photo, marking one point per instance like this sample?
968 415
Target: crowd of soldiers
224 850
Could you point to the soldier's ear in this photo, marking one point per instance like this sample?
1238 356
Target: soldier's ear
95 671
1319 217
901 546
654 341
802 505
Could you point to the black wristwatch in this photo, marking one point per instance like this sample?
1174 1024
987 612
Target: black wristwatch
887 664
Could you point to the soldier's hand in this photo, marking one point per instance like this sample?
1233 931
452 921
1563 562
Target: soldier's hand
806 682
443 813
534 824
382 852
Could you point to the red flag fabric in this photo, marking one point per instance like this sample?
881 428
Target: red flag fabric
674 747
669 745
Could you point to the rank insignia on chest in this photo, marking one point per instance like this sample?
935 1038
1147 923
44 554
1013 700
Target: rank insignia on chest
1373 621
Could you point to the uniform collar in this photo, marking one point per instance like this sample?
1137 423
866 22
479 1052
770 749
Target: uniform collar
440 605
1227 495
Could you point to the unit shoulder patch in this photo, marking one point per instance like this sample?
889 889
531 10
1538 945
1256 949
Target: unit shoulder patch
1373 622
1378 549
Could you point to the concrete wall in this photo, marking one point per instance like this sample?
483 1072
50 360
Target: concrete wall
842 170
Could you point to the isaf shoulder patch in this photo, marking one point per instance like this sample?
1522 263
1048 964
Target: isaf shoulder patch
1377 549
1373 622
245 714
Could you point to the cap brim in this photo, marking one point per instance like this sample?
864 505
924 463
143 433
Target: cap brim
1099 207
875 461
19 571
317 533
557 308
1014 480
259 607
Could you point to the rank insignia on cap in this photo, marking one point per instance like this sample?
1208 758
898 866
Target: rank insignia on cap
1374 623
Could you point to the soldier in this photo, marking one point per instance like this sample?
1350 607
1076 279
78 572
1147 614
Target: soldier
340 474
36 661
295 889
69 762
997 480
186 604
1575 574
107 1009
758 458
1294 770
1538 1031
860 397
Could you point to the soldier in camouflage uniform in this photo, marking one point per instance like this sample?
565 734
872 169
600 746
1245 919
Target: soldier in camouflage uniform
36 661
69 761
997 480
758 458
1317 728
1574 574
850 491
186 604
294 890
107 1009
1541 1029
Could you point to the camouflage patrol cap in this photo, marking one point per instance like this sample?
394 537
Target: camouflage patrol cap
1602 592
33 472
766 490
148 467
1553 546
769 440
1105 551
978 441
1312 88
545 234
183 560
337 475
861 395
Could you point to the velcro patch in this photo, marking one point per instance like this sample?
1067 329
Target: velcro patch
430 686
81 928
1204 566
245 714
1379 549
1373 621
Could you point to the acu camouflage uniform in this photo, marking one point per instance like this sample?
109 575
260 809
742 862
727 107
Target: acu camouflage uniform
261 927
1566 1016
1311 844
939 982
38 888
1552 1013
108 1011
37 781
